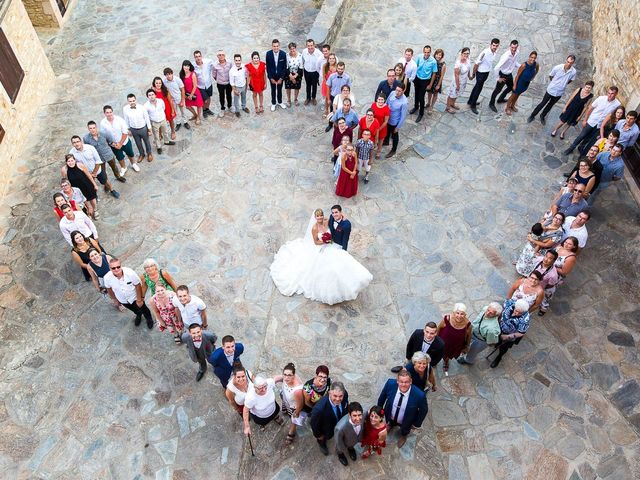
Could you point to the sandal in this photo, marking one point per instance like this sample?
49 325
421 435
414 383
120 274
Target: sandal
279 420
450 110
289 440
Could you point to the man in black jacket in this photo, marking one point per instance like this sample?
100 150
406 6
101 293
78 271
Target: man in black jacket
326 413
424 340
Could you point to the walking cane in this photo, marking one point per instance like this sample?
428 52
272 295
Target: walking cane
251 446
493 351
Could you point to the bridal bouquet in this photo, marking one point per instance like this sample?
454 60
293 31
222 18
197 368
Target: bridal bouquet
326 237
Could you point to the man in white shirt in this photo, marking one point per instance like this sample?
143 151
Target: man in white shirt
76 220
238 82
204 73
190 309
593 117
559 77
176 89
482 69
312 59
410 69
504 70
123 286
137 120
349 432
576 227
157 117
115 129
89 157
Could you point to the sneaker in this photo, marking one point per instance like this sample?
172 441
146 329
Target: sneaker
187 126
178 127
135 167
123 171
273 108
96 215
114 194
283 106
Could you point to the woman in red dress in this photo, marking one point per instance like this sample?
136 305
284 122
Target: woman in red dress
369 122
328 68
347 185
192 96
169 108
381 112
257 80
374 437
456 333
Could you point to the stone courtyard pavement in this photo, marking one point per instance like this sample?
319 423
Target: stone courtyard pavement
87 395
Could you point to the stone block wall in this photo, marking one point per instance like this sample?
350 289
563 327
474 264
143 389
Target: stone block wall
329 20
43 13
616 48
17 118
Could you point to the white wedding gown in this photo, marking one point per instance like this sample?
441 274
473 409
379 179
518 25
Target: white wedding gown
324 273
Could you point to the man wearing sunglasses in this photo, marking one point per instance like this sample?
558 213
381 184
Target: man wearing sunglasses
571 203
123 286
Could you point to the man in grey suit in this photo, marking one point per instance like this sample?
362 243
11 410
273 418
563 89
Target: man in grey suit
200 345
348 432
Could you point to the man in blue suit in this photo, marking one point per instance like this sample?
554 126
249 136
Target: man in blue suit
224 357
339 227
276 61
403 404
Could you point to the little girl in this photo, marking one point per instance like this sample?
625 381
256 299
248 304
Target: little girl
375 432
337 153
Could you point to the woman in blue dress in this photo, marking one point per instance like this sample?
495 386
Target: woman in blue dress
526 73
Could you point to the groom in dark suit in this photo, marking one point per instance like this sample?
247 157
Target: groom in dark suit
404 404
424 340
276 61
339 227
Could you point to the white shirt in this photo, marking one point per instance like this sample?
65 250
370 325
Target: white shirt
425 346
410 68
560 80
507 63
403 407
81 222
204 73
124 288
485 60
356 428
88 156
238 77
261 406
77 196
601 108
580 233
136 117
191 311
155 112
230 358
312 60
114 130
338 102
174 87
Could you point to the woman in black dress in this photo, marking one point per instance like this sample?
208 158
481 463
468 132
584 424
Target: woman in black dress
80 251
80 177
436 85
574 108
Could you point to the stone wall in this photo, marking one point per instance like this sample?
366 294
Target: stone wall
43 13
329 20
616 48
17 118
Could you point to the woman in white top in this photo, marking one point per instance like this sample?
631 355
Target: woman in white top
461 73
239 384
292 399
260 404
338 101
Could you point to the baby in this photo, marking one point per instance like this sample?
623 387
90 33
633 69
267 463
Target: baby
536 231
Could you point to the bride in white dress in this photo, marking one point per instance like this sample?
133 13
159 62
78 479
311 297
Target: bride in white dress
320 271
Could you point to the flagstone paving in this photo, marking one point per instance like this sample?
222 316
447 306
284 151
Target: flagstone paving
85 394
